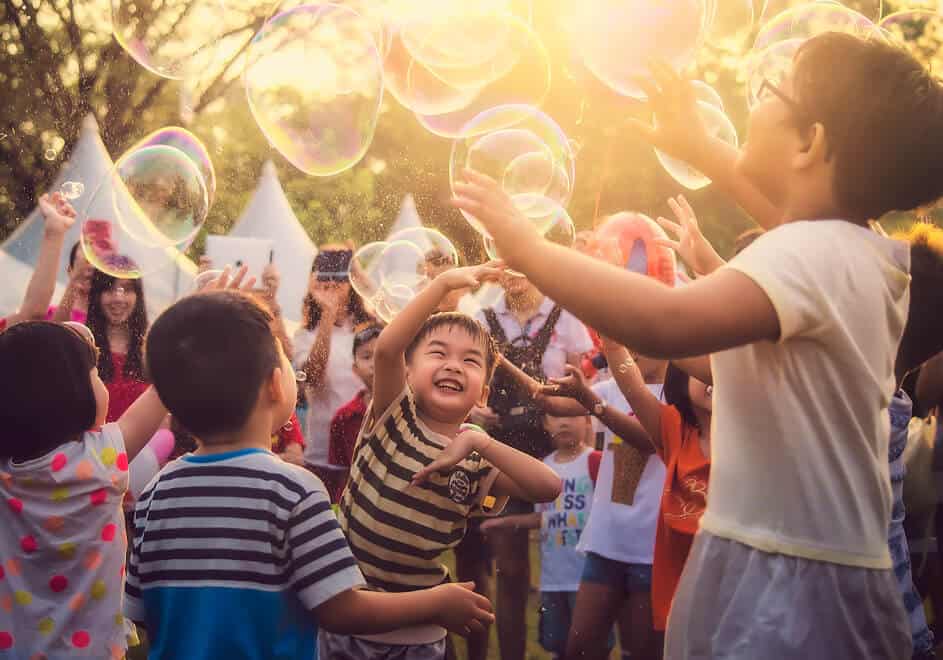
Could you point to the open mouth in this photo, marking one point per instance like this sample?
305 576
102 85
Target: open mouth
449 385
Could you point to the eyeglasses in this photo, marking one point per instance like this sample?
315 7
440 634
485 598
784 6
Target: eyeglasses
85 333
767 88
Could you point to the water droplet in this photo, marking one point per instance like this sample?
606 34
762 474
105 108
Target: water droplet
51 154
301 376
72 189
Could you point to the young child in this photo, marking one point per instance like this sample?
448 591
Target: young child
802 328
236 552
345 427
561 524
63 475
417 476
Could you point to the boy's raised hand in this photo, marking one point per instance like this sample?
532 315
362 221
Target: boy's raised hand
691 245
463 610
58 213
238 282
471 276
461 446
677 127
573 385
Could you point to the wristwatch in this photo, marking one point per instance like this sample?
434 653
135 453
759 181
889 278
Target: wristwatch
599 408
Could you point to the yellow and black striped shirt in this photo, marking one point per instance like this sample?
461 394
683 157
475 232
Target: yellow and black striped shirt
397 530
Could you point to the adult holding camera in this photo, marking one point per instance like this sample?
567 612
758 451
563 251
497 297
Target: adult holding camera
323 349
537 336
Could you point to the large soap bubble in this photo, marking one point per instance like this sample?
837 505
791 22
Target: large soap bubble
812 19
526 152
164 37
707 94
729 23
773 8
718 125
188 143
315 84
438 251
618 38
919 30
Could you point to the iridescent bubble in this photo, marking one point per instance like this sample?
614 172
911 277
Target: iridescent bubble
189 144
402 266
558 229
164 37
439 253
315 84
526 152
729 23
707 94
920 31
772 64
72 189
50 154
812 19
616 39
718 125
364 269
773 8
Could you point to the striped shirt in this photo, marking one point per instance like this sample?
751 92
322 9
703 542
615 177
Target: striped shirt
231 554
397 530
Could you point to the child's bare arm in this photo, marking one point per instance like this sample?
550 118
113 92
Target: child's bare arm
141 421
389 355
455 607
521 521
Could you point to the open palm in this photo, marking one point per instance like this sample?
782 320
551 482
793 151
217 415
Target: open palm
691 245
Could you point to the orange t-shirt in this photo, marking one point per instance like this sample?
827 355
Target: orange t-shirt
682 503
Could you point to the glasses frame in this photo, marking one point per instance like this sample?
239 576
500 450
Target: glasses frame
793 105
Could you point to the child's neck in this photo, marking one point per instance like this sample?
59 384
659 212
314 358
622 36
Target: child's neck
119 338
256 434
567 453
447 429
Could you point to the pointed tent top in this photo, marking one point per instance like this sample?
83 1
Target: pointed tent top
90 124
268 169
408 216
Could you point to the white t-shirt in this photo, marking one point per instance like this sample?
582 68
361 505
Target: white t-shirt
623 532
800 426
569 334
562 523
63 549
340 385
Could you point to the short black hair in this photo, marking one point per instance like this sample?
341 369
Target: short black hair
209 355
883 118
462 322
72 253
365 333
46 388
923 334
677 395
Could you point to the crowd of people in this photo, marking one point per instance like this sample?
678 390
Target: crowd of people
712 469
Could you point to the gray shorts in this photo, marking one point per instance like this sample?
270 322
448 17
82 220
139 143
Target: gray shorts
345 647
739 603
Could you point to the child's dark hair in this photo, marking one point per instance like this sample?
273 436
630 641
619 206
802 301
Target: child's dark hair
677 395
311 310
365 332
98 324
923 334
883 118
462 322
209 355
72 253
46 388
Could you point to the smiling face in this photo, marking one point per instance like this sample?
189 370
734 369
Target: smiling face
447 372
118 302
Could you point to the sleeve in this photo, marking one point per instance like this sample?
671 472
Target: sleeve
791 264
595 459
301 342
370 423
670 432
322 565
108 443
487 503
133 606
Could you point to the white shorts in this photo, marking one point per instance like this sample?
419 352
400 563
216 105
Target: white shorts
739 603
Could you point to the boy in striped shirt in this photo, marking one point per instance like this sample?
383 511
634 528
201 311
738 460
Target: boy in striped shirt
236 553
417 474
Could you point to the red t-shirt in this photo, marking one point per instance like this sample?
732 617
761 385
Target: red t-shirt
3 324
345 428
682 503
122 390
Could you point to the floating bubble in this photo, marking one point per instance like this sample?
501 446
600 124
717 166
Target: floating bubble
457 35
164 37
559 229
729 23
526 152
402 267
707 94
812 19
718 125
364 269
189 144
72 189
439 254
617 38
772 64
920 31
51 154
314 82
773 8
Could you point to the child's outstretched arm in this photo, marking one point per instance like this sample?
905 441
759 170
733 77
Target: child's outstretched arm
389 376
521 476
141 421
723 310
59 217
455 607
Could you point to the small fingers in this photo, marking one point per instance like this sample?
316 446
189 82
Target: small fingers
668 243
669 226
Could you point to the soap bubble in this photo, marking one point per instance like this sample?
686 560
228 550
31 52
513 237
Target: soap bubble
729 23
810 20
364 269
919 30
439 253
525 151
707 94
559 229
772 64
315 84
617 38
189 144
72 189
718 125
402 267
50 154
773 8
164 37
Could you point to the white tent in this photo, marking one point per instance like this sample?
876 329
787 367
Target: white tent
269 216
408 216
168 273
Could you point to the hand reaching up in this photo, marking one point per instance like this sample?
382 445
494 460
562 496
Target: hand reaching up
691 245
58 213
224 282
573 385
471 276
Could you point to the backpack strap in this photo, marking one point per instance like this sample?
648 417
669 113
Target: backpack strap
494 326
542 340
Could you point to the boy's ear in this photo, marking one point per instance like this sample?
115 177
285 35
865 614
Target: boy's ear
274 386
813 148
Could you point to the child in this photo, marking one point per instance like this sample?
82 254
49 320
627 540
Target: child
417 476
63 474
562 523
802 327
345 427
59 216
236 552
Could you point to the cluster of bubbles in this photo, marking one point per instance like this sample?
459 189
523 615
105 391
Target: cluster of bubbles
388 274
150 207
